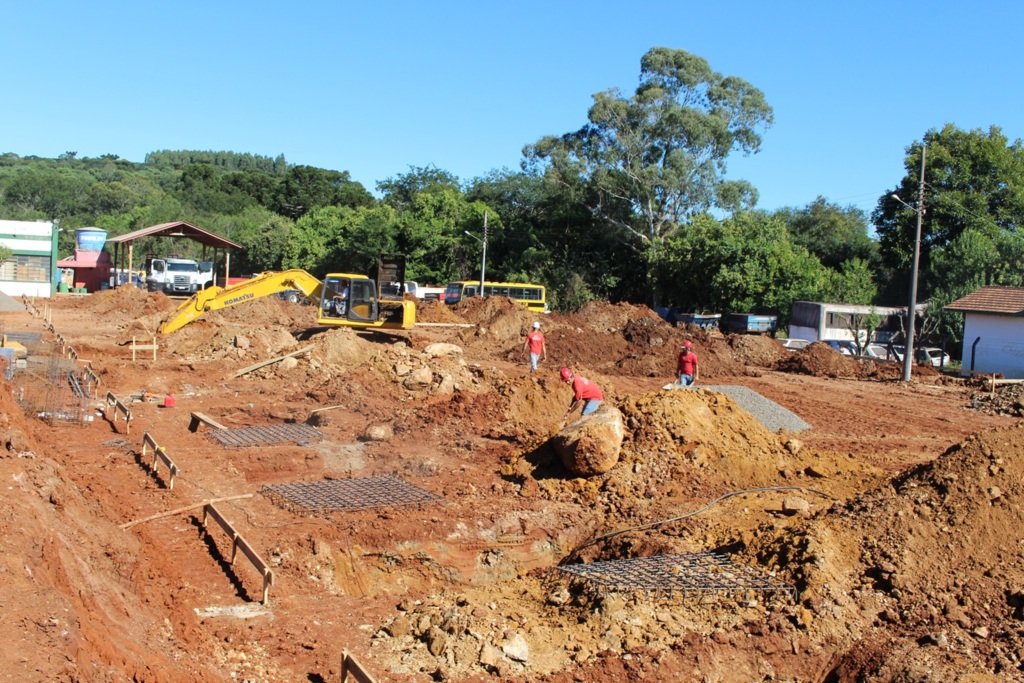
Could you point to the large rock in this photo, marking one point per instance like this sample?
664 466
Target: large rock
441 350
591 444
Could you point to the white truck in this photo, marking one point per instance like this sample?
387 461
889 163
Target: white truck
178 275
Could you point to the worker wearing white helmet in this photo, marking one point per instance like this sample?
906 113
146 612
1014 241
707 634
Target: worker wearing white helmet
536 346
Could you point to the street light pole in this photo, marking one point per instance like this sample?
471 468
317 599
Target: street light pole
483 255
908 350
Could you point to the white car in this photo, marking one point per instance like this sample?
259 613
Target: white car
925 356
793 344
877 351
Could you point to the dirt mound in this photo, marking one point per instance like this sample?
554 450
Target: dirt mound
258 329
927 555
820 360
605 317
757 350
716 439
436 312
126 303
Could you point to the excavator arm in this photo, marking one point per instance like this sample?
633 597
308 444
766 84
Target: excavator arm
214 298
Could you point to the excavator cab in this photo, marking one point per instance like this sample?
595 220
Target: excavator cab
350 297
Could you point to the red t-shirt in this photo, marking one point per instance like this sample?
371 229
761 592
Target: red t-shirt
586 390
536 341
687 364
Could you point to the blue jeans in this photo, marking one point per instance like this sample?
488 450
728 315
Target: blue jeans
686 380
590 407
534 357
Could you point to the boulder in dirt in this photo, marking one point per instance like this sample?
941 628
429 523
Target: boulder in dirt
378 432
440 350
591 445
420 378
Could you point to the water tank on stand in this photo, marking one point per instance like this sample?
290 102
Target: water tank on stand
90 239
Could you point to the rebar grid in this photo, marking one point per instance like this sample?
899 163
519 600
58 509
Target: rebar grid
683 573
63 403
346 495
262 435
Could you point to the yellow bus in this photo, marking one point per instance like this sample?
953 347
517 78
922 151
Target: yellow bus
531 296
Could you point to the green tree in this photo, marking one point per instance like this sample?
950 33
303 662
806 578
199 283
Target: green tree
971 261
399 190
832 233
305 188
743 264
653 161
852 283
973 180
263 233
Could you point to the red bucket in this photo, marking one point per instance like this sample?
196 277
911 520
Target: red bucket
169 401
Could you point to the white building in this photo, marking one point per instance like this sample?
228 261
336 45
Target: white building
993 330
815 321
31 270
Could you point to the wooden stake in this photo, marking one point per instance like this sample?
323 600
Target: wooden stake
169 513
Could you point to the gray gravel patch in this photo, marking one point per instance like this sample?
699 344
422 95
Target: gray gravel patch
767 412
8 303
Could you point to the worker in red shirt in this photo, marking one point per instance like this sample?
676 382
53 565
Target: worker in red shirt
583 390
686 368
535 345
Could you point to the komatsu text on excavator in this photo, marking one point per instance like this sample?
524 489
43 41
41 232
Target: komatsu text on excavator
343 299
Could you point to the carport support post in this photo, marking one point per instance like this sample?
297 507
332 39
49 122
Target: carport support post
908 350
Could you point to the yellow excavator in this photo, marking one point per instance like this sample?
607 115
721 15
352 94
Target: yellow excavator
343 300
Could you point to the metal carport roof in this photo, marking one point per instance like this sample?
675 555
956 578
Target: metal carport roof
178 229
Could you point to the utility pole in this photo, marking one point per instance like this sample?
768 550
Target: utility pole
908 352
483 258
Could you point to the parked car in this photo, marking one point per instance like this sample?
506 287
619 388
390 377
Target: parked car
793 344
878 352
928 355
932 355
843 346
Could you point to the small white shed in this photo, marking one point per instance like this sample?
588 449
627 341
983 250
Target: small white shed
993 330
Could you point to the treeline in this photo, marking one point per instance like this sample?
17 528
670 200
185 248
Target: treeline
634 206
228 160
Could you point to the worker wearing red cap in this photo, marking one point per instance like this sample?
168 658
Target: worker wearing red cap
687 367
583 390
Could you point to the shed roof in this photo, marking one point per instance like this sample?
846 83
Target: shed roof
178 229
991 299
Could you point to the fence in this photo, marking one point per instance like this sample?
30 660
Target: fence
159 455
113 401
239 543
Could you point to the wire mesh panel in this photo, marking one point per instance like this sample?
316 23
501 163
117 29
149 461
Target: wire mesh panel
349 494
263 435
65 402
684 573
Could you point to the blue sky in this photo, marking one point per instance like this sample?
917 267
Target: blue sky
374 88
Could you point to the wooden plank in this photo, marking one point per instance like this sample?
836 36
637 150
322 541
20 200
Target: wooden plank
257 561
352 669
148 440
224 524
120 407
161 454
202 418
144 347
261 364
176 511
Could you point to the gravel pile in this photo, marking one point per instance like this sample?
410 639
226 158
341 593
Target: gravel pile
9 304
767 412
